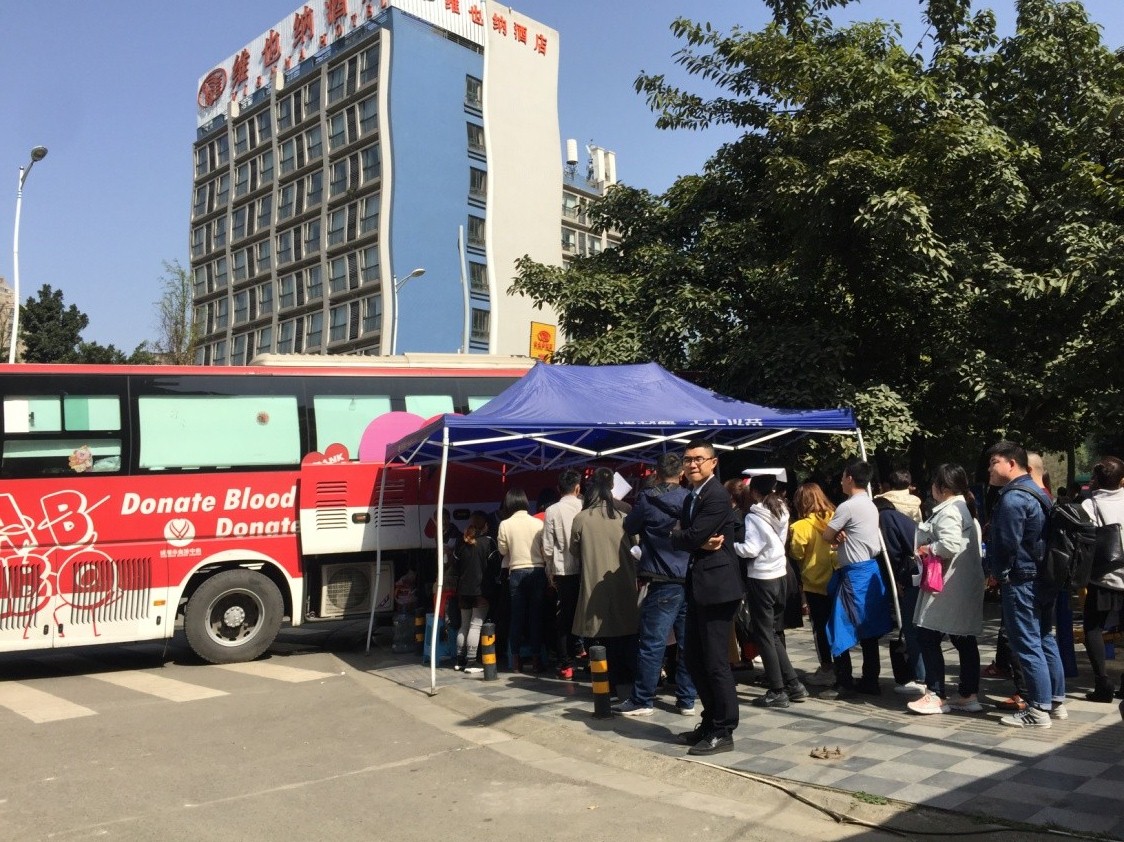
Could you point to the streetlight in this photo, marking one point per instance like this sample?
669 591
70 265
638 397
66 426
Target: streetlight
394 287
37 154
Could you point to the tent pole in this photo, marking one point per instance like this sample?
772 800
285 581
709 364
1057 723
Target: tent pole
440 560
378 559
882 545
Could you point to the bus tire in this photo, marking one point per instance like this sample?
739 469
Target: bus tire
232 617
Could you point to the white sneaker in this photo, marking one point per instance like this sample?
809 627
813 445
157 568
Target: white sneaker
630 708
928 704
966 704
682 710
912 688
1058 711
1032 717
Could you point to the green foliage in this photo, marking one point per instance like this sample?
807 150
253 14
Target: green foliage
931 235
178 334
50 332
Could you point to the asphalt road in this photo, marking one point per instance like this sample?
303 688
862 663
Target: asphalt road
141 744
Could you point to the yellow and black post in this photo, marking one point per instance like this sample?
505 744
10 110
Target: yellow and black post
599 670
419 630
488 651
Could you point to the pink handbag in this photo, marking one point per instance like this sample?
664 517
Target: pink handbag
932 574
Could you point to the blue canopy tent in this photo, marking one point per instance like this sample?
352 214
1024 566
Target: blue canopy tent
556 416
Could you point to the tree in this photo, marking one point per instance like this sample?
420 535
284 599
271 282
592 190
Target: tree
932 239
50 332
176 328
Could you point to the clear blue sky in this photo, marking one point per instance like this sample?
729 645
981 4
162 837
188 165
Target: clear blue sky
109 87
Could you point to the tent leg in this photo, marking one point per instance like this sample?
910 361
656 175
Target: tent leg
882 544
378 559
440 561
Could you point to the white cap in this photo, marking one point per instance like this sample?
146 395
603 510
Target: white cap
780 473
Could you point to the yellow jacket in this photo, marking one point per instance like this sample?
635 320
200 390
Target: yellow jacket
812 554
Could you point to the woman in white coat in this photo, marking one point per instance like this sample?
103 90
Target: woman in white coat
952 535
1105 594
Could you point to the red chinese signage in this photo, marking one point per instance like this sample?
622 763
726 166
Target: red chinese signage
271 52
212 88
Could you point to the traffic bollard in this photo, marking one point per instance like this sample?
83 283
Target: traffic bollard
488 651
419 630
599 670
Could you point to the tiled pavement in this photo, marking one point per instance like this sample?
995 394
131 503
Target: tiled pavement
1070 775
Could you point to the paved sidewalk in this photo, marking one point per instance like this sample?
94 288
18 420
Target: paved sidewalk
1070 775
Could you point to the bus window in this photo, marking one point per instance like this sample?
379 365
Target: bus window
429 405
343 418
221 431
474 403
39 435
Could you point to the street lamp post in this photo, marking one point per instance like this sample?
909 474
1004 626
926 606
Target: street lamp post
37 154
394 287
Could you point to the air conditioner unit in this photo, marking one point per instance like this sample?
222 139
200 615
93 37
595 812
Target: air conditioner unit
346 589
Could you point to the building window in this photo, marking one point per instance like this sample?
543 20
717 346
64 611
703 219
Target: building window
312 98
241 307
264 256
481 323
336 78
197 240
478 277
265 211
285 113
315 334
220 232
284 248
368 116
473 92
242 180
285 332
265 340
368 65
265 129
369 221
286 202
337 275
372 314
220 352
222 313
569 241
288 156
337 131
338 183
370 162
238 350
241 138
336 222
369 270
222 190
315 192
312 237
337 323
314 143
287 284
220 273
240 261
476 138
313 283
477 183
265 299
476 232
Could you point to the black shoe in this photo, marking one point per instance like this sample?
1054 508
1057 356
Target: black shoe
1120 692
713 744
1101 692
772 699
867 688
836 691
796 692
690 738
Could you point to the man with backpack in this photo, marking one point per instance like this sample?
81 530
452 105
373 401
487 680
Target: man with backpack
1016 551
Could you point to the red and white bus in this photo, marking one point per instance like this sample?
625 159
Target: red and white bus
131 495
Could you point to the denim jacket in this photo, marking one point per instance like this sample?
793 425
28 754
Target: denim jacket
1016 539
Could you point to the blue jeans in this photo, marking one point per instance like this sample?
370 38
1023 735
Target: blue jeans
1028 614
527 586
664 608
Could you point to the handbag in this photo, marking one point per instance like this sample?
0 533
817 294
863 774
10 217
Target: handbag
1108 551
932 573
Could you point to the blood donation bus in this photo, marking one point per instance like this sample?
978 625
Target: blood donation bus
131 496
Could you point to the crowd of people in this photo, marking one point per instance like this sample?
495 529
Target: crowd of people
696 575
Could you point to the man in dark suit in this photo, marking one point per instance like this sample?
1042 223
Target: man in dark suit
709 528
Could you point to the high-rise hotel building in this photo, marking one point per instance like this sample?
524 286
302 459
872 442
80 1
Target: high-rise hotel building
353 143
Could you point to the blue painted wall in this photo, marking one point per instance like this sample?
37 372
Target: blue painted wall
429 198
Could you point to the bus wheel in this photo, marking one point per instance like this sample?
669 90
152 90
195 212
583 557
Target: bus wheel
234 616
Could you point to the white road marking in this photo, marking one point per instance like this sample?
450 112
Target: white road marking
38 706
157 685
277 672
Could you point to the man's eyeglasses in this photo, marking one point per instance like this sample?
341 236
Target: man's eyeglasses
697 460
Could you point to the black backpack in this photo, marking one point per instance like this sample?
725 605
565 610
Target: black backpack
1071 538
